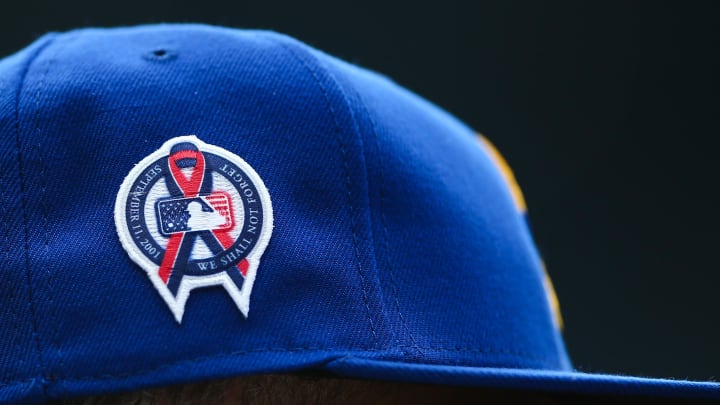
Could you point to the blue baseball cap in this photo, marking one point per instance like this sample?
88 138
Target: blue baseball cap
186 202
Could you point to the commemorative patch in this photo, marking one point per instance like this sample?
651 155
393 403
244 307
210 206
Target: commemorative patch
195 215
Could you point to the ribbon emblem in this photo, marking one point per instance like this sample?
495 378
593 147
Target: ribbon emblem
195 215
198 182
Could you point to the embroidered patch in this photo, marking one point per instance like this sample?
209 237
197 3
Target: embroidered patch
195 215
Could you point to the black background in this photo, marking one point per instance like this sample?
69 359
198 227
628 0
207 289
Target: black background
607 111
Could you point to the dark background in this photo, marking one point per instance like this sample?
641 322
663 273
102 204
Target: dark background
607 111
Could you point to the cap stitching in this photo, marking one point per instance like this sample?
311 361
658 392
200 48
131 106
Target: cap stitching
348 183
200 359
6 253
44 208
356 96
24 203
383 222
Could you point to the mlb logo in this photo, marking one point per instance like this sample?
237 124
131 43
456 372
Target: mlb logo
212 212
195 215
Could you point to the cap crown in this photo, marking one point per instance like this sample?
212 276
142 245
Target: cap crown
395 236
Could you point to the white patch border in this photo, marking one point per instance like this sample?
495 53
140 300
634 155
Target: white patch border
241 297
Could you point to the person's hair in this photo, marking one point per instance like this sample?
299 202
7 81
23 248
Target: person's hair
311 389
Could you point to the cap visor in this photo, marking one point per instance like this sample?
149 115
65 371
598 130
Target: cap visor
526 379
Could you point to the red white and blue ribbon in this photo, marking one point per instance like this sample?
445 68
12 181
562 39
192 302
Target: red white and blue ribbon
190 187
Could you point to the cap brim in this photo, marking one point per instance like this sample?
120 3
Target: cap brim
525 379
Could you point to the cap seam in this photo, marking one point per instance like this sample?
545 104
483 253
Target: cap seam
363 280
200 359
26 222
383 223
42 199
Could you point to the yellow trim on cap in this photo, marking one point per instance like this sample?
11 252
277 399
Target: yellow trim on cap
507 174
553 300
521 206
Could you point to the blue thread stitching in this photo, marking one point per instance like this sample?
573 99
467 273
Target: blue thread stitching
365 109
43 204
383 221
6 230
367 185
347 182
268 350
16 382
282 350
23 199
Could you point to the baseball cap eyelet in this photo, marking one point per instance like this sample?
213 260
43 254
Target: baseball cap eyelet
160 55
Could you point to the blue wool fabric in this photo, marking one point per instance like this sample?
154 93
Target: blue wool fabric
397 252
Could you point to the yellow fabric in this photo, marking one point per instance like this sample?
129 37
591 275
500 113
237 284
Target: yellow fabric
507 174
553 299
521 206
